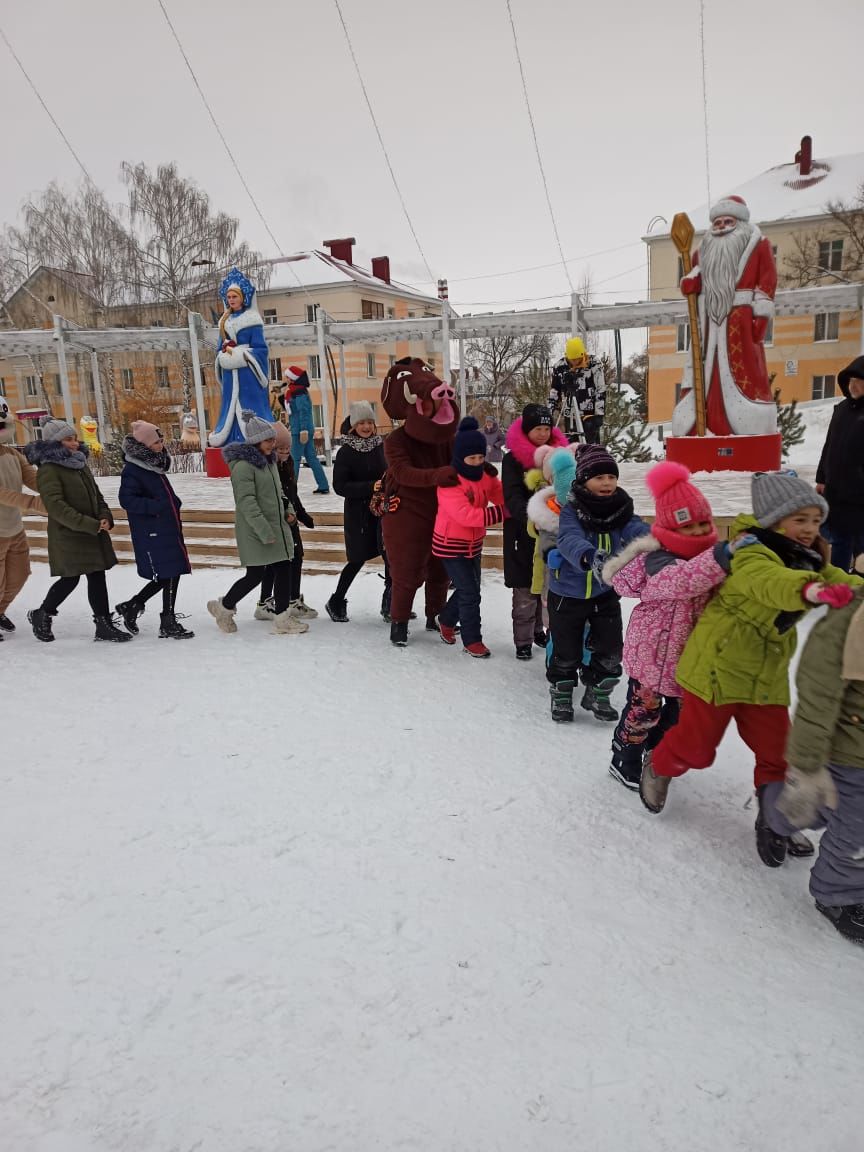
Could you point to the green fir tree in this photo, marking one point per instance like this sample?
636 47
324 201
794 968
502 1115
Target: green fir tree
790 425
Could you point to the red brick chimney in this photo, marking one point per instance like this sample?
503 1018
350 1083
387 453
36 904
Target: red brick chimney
804 156
381 268
341 249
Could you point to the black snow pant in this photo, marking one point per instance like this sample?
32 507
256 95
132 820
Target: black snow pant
568 620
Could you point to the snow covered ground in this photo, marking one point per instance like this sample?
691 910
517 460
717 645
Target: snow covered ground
316 894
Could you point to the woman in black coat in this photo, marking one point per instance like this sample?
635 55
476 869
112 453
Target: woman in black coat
359 463
153 509
840 475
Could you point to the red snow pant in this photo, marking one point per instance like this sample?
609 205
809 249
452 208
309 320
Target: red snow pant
408 544
693 742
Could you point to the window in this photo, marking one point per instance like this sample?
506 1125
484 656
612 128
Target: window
128 378
683 341
31 385
162 379
774 252
827 326
318 415
372 310
276 368
311 313
677 392
158 323
313 368
411 315
370 365
769 332
823 387
270 316
88 390
831 255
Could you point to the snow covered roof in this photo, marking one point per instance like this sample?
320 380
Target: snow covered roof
782 193
315 269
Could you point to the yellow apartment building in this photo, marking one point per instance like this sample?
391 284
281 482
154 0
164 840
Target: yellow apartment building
789 203
299 285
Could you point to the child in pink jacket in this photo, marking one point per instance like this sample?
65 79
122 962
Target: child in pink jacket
465 510
672 572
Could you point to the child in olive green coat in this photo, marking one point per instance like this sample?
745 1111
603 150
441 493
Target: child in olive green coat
262 526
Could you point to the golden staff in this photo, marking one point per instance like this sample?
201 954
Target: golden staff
682 233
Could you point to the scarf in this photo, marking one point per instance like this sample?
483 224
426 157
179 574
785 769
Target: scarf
134 452
684 547
601 513
361 443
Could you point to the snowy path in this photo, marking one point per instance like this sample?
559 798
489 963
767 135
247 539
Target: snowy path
314 894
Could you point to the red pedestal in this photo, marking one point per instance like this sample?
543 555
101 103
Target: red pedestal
214 463
726 453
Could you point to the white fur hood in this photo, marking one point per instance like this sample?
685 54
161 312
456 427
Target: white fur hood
621 559
539 512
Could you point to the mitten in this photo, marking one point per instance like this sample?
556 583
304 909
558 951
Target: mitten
691 284
490 469
304 437
834 595
600 558
804 794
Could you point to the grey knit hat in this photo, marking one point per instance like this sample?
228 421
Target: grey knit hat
359 411
256 429
56 429
776 495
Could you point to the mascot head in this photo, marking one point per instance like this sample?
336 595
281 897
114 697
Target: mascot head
413 393
7 431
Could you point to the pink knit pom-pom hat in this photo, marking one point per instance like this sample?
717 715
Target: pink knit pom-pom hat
677 501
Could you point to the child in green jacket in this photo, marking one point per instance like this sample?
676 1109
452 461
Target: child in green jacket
736 663
824 785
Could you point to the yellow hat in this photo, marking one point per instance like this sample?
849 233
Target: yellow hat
575 348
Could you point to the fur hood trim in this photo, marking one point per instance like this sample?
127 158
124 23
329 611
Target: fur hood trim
248 452
539 512
629 552
248 318
52 452
522 448
134 452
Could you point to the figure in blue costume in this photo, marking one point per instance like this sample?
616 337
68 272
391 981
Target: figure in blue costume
242 361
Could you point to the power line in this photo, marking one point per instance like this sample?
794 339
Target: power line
381 142
704 96
537 267
537 148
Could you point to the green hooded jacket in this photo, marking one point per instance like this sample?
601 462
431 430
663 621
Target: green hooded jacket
735 654
829 719
263 537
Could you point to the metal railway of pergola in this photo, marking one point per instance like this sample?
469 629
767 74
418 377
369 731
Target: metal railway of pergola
444 330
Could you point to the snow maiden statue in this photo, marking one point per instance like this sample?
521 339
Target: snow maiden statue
242 362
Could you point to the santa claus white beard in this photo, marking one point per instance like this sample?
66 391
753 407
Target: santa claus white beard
719 257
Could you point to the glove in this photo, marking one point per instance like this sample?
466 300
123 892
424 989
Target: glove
691 284
804 794
600 558
553 559
304 437
490 469
834 595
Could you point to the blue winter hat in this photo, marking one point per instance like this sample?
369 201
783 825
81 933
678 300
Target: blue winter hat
469 441
562 465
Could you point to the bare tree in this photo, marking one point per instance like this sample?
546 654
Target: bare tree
18 259
810 261
503 365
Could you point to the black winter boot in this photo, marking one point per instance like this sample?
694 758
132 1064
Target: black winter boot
337 610
541 638
524 652
399 634
771 847
106 629
171 628
596 700
385 606
5 623
561 693
130 610
626 765
41 623
848 919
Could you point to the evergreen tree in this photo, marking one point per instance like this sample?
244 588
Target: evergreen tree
789 423
624 432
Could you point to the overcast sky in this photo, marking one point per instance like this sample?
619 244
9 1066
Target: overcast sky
615 87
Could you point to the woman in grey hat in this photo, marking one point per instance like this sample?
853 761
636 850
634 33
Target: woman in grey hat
262 519
79 523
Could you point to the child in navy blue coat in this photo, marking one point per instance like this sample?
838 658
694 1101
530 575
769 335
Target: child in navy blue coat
596 522
153 509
